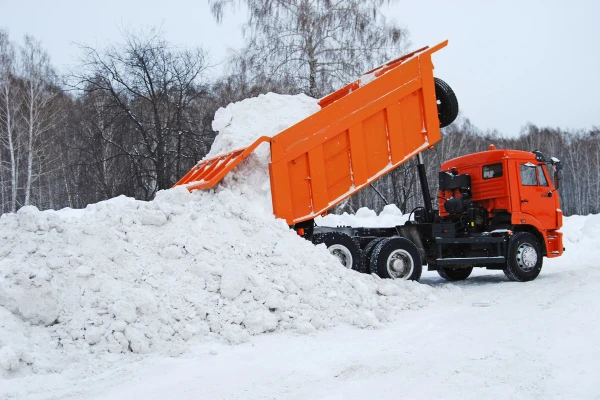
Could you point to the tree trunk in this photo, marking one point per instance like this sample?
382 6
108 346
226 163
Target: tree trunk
11 150
30 131
312 66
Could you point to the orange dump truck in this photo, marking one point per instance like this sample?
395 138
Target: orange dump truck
498 209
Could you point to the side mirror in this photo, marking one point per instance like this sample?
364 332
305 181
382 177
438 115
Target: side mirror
556 162
557 167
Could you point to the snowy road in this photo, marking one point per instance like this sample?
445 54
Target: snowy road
489 339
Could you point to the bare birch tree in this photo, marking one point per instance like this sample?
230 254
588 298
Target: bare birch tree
9 106
314 45
39 116
153 86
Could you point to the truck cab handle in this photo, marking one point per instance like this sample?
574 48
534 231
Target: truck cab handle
549 194
524 201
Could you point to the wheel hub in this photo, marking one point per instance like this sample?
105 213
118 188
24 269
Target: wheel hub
526 257
400 264
343 254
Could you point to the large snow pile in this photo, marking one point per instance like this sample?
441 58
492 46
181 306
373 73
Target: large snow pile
130 276
581 239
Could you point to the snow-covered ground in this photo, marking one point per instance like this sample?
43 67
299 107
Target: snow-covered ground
484 338
207 296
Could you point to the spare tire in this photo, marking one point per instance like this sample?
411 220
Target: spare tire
447 104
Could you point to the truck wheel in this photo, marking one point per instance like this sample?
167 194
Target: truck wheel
454 274
447 104
397 258
367 252
343 247
524 259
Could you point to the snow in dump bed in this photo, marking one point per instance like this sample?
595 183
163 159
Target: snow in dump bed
127 276
364 217
241 123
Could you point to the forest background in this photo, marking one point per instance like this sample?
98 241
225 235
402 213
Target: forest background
134 116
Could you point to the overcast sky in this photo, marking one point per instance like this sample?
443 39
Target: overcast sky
509 63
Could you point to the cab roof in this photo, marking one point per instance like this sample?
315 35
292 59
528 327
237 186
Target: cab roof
488 157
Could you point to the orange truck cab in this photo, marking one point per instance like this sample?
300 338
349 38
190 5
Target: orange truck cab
504 189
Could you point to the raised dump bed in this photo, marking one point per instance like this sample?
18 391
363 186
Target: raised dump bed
362 131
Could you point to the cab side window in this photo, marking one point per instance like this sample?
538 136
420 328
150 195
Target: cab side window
492 171
541 176
528 177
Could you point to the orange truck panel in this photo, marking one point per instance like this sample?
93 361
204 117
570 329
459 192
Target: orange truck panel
360 134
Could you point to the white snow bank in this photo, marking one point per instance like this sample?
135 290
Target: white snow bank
130 276
581 239
149 276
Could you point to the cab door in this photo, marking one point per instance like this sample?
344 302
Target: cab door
536 194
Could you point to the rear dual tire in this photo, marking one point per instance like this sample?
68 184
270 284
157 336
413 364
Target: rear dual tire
345 248
390 258
396 258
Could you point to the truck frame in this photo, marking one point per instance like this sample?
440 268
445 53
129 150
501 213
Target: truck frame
497 209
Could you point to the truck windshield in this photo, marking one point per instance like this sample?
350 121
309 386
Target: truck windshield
532 175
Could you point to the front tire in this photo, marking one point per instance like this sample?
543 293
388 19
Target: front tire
524 262
456 274
344 248
397 258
